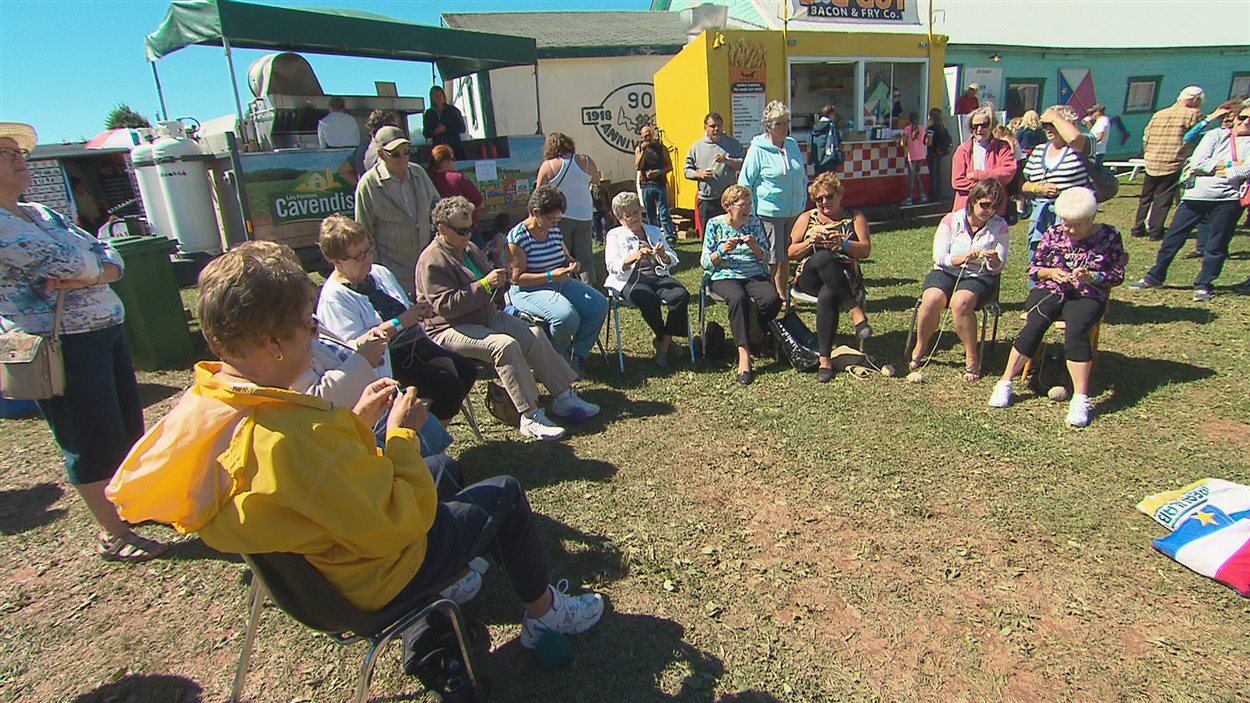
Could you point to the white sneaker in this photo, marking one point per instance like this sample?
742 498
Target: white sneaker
1078 410
464 590
569 615
563 405
537 426
1001 397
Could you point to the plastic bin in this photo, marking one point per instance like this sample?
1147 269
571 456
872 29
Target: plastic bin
13 409
156 324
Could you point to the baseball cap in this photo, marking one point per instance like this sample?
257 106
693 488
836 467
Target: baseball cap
973 86
390 138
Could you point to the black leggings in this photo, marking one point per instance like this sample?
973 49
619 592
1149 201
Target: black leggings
1079 315
411 355
647 292
738 293
827 278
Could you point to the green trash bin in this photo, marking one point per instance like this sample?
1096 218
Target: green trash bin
156 324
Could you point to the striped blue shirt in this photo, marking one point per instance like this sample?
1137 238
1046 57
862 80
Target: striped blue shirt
541 255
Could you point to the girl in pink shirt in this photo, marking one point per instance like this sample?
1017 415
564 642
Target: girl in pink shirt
914 146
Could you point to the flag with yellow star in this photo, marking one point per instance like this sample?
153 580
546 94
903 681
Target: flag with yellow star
1214 544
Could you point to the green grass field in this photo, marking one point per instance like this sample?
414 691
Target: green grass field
862 540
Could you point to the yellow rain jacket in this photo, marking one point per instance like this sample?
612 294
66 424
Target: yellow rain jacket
256 470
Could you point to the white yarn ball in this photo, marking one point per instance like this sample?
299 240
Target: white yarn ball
1057 394
915 377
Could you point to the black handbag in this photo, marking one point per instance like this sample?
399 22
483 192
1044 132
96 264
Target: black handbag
795 342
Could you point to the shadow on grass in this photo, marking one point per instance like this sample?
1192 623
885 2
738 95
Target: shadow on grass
1132 379
1124 312
145 687
621 659
617 406
194 549
534 464
888 282
153 393
894 303
25 509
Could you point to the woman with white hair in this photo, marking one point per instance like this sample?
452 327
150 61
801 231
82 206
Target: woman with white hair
774 172
639 262
982 156
1075 266
1054 166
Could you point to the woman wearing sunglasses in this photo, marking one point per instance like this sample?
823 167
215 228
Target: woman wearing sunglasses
362 301
1221 164
982 156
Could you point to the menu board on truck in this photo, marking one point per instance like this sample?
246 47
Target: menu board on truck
49 186
748 65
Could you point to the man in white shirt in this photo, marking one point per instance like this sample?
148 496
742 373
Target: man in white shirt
337 129
1101 129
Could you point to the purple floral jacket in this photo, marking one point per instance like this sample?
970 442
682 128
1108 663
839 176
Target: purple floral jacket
1101 253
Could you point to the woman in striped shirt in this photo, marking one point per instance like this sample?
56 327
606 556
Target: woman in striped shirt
545 282
1053 167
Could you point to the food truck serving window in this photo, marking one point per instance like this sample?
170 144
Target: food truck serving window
866 93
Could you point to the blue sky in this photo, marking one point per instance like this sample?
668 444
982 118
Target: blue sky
66 63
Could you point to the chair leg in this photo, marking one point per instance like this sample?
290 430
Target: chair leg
690 339
255 601
462 638
366 668
985 321
616 319
703 321
466 408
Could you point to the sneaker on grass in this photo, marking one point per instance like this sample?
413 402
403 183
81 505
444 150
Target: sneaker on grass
564 403
1203 295
536 425
569 615
464 590
1143 284
1078 410
1001 397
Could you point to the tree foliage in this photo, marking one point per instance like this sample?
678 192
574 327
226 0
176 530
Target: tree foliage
123 116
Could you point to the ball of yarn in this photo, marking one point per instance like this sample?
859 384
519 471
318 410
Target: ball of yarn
1057 393
889 371
552 650
915 377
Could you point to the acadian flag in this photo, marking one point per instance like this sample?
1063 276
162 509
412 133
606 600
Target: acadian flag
1213 544
1076 89
1210 523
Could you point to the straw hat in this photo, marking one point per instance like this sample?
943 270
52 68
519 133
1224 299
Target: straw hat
19 132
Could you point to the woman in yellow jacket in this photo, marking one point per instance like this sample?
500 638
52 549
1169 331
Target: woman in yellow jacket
255 467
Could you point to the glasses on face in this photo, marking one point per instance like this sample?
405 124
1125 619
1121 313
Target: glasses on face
397 153
8 153
980 125
985 205
739 203
1242 117
362 256
823 197
462 231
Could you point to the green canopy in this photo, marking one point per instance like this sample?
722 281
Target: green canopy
334 31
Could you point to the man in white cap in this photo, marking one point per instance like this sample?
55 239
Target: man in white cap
1165 151
393 203
969 101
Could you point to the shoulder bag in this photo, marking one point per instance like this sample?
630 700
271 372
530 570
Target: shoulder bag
1102 180
31 366
1243 193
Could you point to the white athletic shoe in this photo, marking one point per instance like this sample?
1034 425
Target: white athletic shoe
464 590
1001 397
569 615
564 403
537 426
1078 410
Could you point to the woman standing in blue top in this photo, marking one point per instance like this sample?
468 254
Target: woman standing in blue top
545 282
773 171
734 252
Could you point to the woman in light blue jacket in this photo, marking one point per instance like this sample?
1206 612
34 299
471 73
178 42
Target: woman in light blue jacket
775 174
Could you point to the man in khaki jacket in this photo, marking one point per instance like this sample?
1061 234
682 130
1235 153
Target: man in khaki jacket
393 202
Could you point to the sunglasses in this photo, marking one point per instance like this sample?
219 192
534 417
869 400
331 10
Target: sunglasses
979 125
823 197
10 153
1241 118
987 205
462 231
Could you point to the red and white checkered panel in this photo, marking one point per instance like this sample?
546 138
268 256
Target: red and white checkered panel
875 159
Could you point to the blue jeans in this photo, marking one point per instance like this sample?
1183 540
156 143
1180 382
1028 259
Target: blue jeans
1043 218
1221 216
574 311
655 207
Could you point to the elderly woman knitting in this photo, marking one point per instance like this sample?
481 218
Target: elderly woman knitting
969 253
639 261
1053 167
453 275
1075 266
255 467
